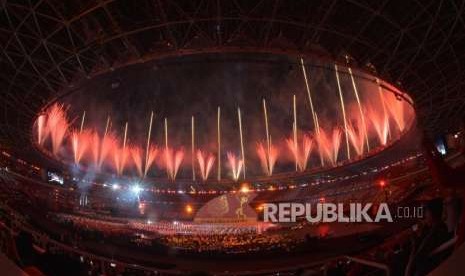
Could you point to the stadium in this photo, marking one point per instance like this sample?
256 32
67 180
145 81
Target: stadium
155 137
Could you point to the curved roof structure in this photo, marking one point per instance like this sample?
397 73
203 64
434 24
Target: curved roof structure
46 46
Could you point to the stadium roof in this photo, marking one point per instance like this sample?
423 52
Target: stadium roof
48 45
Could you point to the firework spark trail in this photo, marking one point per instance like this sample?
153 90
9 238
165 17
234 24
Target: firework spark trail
357 136
324 147
239 117
95 148
292 145
166 133
206 161
261 151
310 101
380 124
267 130
108 144
336 142
385 111
329 147
396 109
179 156
301 154
120 156
267 159
341 97
107 125
295 149
307 149
82 121
193 147
152 154
315 119
235 165
270 154
173 160
57 126
40 129
136 155
124 153
79 142
219 143
148 150
360 109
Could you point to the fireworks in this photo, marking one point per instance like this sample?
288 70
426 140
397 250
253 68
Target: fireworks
80 142
56 126
373 119
40 129
300 153
120 156
396 109
329 146
152 153
108 144
343 109
136 155
356 136
360 109
219 142
193 147
205 161
241 138
380 123
95 148
173 160
268 156
235 165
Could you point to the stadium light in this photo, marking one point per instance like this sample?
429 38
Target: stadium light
136 189
245 189
382 183
189 209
